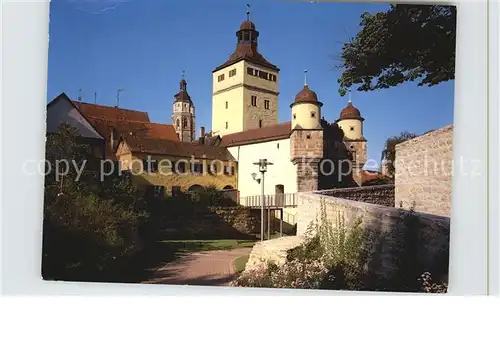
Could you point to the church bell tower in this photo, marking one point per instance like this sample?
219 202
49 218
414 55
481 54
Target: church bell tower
183 117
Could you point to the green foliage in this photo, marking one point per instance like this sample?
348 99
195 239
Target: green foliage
389 151
428 286
293 274
240 263
89 225
404 44
340 257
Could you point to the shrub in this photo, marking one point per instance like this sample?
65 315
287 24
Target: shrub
335 256
428 286
89 226
293 274
329 258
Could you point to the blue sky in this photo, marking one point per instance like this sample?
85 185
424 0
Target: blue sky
143 46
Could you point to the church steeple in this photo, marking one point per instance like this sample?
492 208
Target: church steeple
183 116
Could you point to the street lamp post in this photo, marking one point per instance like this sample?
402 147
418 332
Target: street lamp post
262 169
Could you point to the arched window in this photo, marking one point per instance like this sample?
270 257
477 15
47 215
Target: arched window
184 122
195 188
177 123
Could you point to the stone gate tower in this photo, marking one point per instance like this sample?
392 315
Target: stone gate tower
183 117
351 123
306 139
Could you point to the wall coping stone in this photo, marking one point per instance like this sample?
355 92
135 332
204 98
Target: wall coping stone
369 207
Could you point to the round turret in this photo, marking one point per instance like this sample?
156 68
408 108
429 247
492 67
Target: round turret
351 122
306 110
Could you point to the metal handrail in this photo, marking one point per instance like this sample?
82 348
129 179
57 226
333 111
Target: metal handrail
276 200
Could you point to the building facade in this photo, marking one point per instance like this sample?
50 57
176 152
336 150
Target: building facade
168 167
308 152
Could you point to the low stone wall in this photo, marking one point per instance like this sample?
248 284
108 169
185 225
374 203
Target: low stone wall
275 250
236 222
377 194
242 219
385 226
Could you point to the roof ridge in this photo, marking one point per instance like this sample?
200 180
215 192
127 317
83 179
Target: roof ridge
107 106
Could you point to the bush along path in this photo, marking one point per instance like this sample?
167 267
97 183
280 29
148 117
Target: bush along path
208 268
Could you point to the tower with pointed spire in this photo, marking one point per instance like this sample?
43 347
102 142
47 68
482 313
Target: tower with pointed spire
245 87
183 116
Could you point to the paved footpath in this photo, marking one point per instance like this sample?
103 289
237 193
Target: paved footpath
214 268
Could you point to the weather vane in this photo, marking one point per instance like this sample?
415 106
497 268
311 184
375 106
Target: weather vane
248 12
305 77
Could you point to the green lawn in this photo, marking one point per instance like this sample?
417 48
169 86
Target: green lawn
240 263
207 245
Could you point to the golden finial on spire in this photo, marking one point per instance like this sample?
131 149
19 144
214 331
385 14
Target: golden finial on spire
305 77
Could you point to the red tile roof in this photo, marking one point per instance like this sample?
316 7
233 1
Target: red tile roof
141 129
350 112
123 122
111 113
258 135
177 148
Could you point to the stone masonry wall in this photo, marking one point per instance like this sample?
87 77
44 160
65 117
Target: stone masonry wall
423 172
214 223
244 220
306 151
384 224
378 194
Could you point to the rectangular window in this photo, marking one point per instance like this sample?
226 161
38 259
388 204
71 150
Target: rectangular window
254 100
266 104
227 125
179 167
232 72
213 169
260 123
150 166
228 170
227 104
220 78
250 71
198 168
